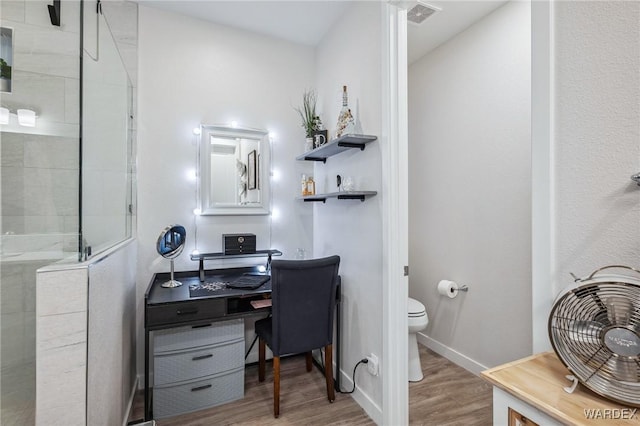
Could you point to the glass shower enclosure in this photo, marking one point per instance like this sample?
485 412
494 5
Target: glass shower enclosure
66 164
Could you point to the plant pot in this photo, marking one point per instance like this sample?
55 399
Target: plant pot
308 144
5 85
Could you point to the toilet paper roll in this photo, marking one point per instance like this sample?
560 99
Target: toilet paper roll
448 288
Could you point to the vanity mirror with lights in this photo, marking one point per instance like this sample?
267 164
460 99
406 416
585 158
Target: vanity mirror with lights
234 168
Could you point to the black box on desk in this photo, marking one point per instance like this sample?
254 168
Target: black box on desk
238 243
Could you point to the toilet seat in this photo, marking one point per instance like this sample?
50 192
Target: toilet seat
415 309
417 321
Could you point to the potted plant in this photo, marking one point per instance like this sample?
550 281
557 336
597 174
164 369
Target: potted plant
308 114
5 76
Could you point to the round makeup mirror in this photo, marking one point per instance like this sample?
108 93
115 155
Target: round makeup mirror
170 244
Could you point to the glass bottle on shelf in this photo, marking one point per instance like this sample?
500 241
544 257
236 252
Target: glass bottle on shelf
303 187
311 186
346 122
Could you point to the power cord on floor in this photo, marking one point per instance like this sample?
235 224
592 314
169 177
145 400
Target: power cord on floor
362 361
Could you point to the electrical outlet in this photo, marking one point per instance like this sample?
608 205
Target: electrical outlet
372 364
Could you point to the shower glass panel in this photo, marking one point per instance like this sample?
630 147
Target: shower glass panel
63 181
106 201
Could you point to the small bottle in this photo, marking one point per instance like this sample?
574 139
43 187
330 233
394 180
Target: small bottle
311 186
345 119
304 185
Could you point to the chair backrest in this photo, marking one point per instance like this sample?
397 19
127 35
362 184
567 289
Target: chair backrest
303 302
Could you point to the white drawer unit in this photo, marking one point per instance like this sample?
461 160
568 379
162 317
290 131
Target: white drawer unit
197 367
195 395
191 364
180 338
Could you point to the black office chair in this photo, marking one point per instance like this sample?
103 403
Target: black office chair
303 301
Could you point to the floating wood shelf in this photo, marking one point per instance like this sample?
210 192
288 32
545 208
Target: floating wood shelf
344 195
336 146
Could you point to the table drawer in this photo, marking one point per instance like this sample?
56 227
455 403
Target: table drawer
187 397
193 364
185 311
191 337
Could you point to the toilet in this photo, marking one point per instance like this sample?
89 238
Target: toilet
418 320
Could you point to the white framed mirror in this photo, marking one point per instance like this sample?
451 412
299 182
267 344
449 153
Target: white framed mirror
234 171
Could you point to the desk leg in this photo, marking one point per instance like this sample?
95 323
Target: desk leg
338 327
147 407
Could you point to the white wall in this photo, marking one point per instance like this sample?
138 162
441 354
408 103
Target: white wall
193 72
350 228
597 134
111 346
470 189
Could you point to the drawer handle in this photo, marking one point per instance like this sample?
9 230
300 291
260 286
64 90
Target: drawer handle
199 388
188 311
201 326
198 358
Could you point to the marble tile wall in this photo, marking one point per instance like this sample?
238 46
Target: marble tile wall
61 349
39 166
38 182
46 62
17 304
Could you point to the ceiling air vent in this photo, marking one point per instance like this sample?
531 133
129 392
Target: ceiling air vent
420 12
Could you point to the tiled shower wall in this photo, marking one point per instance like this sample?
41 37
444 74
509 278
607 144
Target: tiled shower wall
40 165
38 182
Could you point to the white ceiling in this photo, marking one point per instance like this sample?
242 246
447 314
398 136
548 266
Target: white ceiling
301 21
454 16
307 21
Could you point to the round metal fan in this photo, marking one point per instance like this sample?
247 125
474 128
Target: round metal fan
594 328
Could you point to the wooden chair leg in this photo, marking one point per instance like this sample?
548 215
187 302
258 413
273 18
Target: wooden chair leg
276 386
261 359
309 361
328 371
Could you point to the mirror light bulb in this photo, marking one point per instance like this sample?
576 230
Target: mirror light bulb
4 115
27 117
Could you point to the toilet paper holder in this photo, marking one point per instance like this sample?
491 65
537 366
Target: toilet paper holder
450 289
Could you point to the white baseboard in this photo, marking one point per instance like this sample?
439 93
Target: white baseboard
451 354
140 382
127 412
368 405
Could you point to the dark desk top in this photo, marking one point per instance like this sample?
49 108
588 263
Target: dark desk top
156 294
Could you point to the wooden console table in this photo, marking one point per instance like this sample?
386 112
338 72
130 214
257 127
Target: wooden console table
533 387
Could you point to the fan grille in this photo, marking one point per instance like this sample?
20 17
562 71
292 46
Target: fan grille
595 330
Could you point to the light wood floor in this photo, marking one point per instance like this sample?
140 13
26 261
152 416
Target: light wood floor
448 395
